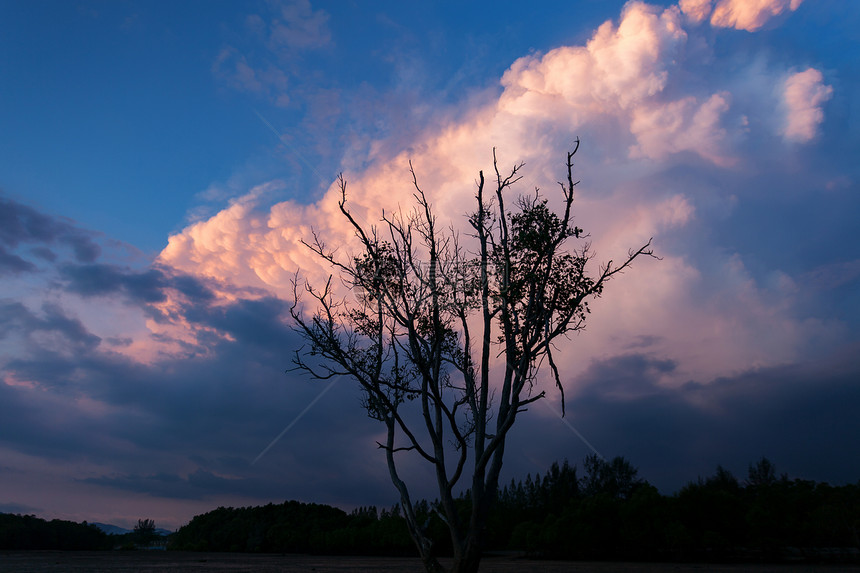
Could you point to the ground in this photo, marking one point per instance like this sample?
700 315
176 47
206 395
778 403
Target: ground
176 561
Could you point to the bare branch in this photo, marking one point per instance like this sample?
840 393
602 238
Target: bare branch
418 337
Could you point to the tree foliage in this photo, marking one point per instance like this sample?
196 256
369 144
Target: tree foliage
456 327
144 532
295 527
19 532
567 514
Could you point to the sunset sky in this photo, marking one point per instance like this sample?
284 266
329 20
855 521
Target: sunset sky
160 163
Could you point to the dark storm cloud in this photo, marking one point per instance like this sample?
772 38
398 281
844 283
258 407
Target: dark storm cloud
11 264
44 253
262 322
101 279
191 287
197 485
801 417
141 287
189 427
215 411
68 333
21 224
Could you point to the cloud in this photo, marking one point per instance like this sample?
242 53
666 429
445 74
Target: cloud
101 279
200 484
833 275
798 415
152 285
183 427
18 508
13 264
617 69
684 125
51 328
623 72
803 94
624 92
749 15
166 379
21 224
298 26
696 10
621 68
290 29
233 69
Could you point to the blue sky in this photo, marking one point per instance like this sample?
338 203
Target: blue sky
133 102
160 163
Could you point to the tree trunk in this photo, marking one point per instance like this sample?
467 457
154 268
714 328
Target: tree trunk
469 558
431 565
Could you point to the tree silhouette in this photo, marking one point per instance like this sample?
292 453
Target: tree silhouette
455 330
144 531
615 478
762 474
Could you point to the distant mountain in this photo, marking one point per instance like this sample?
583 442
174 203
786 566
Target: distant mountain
117 530
111 529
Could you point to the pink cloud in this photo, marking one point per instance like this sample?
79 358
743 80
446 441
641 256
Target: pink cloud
696 10
622 72
618 68
683 125
804 93
749 15
615 88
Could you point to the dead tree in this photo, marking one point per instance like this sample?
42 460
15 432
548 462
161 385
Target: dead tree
453 335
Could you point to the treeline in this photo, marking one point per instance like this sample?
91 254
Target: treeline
295 527
608 512
24 532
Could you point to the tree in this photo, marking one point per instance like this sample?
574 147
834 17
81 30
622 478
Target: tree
616 478
452 335
762 474
144 531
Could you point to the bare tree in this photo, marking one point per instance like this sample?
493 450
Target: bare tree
453 336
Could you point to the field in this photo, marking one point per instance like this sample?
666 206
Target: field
174 562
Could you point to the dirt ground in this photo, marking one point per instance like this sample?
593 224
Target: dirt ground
176 561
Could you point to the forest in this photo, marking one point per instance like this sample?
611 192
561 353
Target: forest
604 511
607 513
30 532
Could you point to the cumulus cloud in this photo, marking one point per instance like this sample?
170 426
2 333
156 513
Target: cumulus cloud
619 91
749 15
804 93
684 125
696 10
622 72
619 75
619 67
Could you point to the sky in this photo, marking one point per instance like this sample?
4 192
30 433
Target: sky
160 164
